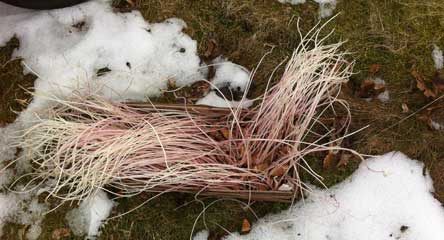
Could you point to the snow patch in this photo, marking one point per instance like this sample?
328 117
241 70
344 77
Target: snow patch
8 206
202 235
90 215
438 57
230 75
212 99
294 2
22 209
387 197
437 126
384 96
67 48
31 214
326 7
7 149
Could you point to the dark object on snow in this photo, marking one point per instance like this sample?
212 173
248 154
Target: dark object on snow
43 4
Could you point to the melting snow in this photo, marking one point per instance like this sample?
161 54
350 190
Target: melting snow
384 96
212 99
90 215
233 76
66 48
387 197
438 57
326 7
229 74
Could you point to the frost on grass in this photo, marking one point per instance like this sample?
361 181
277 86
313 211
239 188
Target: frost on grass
292 1
90 215
326 7
438 57
388 197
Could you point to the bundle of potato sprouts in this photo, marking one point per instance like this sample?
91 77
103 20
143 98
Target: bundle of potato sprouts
127 148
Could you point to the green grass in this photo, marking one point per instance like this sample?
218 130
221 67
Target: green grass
398 35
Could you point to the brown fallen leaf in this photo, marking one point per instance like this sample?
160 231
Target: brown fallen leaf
379 88
425 117
433 117
279 171
330 161
366 87
405 108
171 84
226 133
199 89
261 166
246 226
370 89
344 160
421 84
61 233
374 68
438 81
212 49
262 188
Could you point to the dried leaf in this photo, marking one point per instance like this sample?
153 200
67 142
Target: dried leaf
130 2
330 161
433 118
226 133
262 166
241 149
279 171
61 233
344 160
426 116
171 83
246 226
262 188
421 85
379 87
212 49
374 68
367 87
199 89
405 108
438 81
